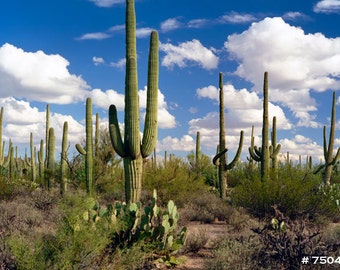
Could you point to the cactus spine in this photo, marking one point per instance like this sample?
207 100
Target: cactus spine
88 153
220 158
132 150
330 160
63 162
262 154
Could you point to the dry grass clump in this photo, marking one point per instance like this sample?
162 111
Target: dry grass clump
205 208
196 240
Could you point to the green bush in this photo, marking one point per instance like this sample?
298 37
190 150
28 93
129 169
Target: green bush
173 180
205 207
295 192
233 254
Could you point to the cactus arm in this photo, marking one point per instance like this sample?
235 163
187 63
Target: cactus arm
276 150
325 152
151 117
115 136
238 153
253 154
337 157
332 132
80 149
5 164
218 155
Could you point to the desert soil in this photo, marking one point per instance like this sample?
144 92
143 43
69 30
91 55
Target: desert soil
214 231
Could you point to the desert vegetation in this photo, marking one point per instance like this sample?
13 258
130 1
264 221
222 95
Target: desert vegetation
115 205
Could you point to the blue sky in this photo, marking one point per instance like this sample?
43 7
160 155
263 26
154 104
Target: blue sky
62 51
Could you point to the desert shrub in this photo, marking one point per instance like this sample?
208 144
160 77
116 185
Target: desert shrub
196 240
173 180
285 242
295 193
205 207
233 253
74 244
5 189
204 169
238 219
18 216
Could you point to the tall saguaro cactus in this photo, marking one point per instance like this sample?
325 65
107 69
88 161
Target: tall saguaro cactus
132 150
262 154
50 166
220 158
63 161
330 160
88 152
274 149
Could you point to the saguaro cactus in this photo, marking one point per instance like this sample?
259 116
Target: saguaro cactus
262 154
198 151
47 128
63 162
31 162
49 173
330 160
132 150
3 163
274 149
41 161
220 158
88 153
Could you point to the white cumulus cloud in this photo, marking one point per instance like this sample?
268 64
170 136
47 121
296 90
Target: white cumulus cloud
327 6
38 76
106 3
297 62
190 52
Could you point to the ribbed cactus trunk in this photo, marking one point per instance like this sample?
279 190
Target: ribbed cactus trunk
132 149
265 132
88 152
63 161
47 128
220 159
51 158
330 160
41 161
263 154
33 159
274 150
222 174
198 150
